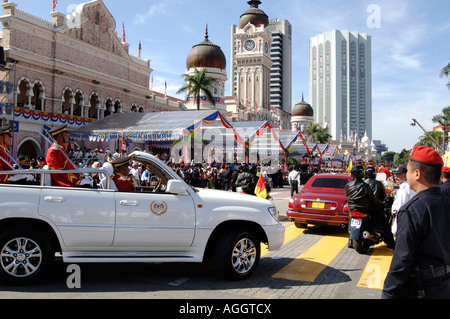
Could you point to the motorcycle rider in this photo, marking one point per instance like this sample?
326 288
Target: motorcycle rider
379 218
247 180
359 193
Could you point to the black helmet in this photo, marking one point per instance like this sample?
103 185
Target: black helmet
357 171
371 173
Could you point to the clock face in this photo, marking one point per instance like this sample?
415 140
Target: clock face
249 45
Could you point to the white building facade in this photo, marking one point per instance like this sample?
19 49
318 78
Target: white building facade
341 83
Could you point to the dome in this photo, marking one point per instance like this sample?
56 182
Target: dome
254 15
206 55
303 109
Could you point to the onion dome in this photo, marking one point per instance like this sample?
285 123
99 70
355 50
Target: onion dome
254 15
206 55
303 109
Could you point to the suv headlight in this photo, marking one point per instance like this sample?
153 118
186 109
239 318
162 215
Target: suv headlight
275 213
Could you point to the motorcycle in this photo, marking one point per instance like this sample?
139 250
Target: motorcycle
363 234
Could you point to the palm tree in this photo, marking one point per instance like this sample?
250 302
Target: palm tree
443 118
425 140
317 134
197 83
445 73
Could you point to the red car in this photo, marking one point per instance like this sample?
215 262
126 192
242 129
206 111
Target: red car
321 202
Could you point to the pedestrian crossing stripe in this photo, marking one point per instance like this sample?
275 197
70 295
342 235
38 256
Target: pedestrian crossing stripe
377 268
310 264
291 232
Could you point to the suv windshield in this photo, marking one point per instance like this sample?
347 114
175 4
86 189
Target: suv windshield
330 183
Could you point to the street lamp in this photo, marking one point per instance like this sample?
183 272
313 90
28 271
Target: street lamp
428 134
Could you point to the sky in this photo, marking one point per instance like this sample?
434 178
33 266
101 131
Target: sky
410 46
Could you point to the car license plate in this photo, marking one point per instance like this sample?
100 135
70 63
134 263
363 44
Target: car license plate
356 223
318 205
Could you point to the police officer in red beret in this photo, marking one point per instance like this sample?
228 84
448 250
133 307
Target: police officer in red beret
445 178
420 266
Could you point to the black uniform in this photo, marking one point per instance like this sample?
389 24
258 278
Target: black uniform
360 196
423 240
445 188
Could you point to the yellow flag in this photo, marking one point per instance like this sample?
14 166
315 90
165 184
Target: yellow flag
349 169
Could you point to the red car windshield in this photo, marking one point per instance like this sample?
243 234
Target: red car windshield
330 183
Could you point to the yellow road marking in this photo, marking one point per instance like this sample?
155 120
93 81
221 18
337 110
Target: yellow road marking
310 264
377 268
291 232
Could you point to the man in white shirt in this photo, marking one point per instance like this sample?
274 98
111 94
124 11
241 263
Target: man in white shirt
404 194
294 180
136 172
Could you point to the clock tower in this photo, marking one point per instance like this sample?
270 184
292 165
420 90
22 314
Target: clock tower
251 61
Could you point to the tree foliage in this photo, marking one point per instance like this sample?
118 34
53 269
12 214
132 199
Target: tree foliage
317 134
196 84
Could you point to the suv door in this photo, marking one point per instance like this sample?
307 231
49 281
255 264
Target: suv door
153 220
84 217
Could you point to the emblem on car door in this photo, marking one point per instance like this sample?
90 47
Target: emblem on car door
158 208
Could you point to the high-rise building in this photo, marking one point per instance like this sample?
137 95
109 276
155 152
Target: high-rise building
281 72
340 82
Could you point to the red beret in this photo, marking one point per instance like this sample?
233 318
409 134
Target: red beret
446 170
427 156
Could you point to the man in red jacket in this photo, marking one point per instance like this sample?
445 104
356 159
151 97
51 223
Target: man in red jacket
121 178
383 169
57 159
5 162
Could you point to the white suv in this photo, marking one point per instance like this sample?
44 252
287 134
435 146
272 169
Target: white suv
169 223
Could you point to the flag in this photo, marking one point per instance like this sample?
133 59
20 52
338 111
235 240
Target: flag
140 49
349 169
165 90
151 85
124 37
55 3
260 189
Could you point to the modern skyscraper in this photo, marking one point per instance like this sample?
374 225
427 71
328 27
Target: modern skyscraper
281 72
341 82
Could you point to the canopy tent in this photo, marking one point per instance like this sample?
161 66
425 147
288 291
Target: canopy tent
154 126
166 127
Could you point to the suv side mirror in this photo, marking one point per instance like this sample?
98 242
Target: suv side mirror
176 187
